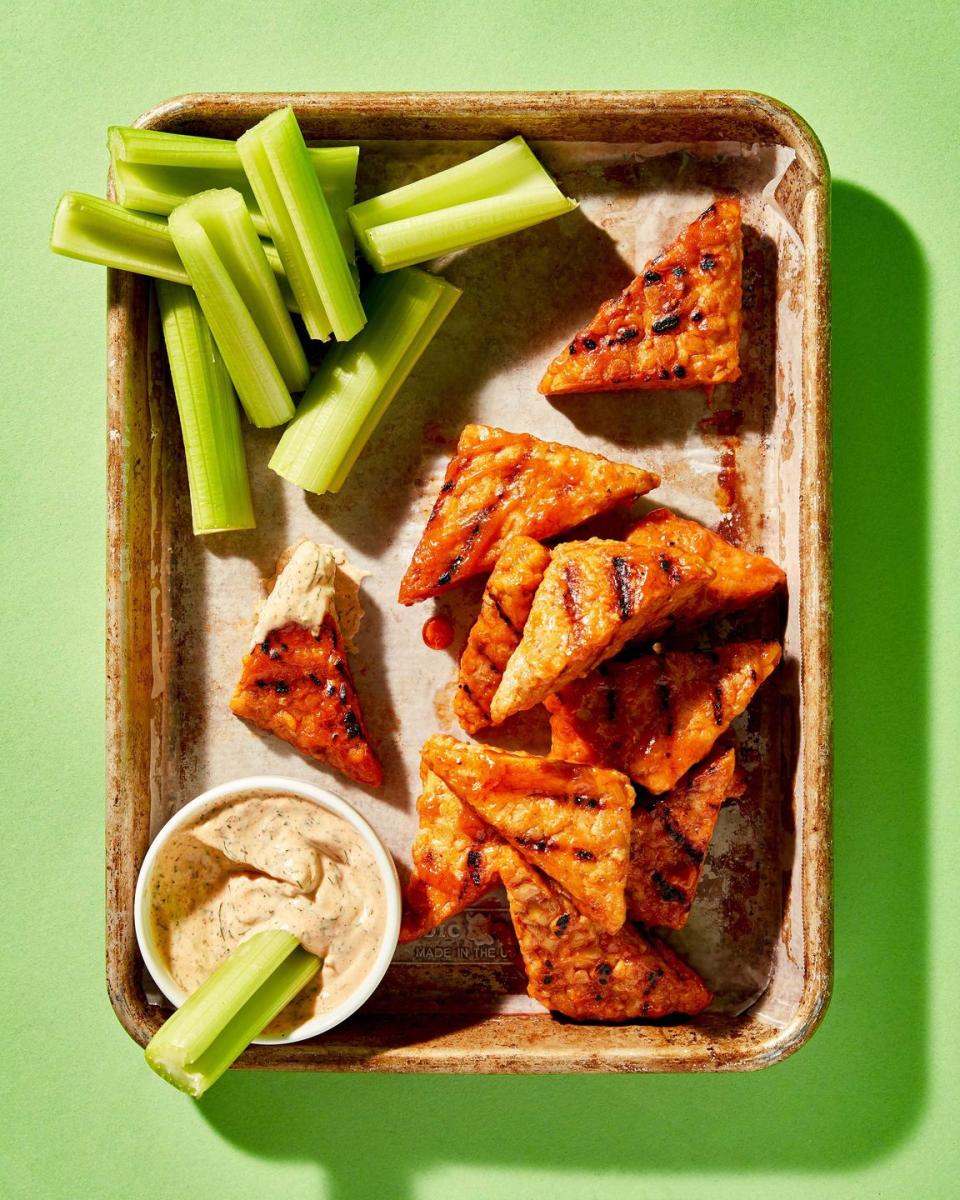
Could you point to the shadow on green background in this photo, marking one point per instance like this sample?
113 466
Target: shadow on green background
858 1089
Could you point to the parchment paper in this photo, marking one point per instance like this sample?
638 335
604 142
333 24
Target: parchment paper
731 461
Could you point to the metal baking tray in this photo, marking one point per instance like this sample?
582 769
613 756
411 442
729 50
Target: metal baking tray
754 458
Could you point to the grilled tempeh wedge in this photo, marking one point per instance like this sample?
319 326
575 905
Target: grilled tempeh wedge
498 628
297 685
296 680
575 968
655 716
573 822
499 484
595 597
455 859
676 325
669 839
741 578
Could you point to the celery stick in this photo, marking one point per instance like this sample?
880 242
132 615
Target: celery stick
159 148
259 383
356 382
276 266
421 340
416 239
155 171
213 1027
159 190
209 419
275 159
488 174
498 192
224 217
100 231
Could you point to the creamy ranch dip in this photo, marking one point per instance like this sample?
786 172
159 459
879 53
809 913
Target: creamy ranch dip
265 861
312 580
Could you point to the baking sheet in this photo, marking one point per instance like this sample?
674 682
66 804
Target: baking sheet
731 461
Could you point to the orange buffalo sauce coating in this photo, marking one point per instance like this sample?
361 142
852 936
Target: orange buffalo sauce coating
677 325
455 859
297 685
500 484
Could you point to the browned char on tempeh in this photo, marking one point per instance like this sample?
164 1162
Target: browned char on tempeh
654 716
677 325
499 484
455 859
576 968
297 685
595 597
573 822
498 628
669 839
740 578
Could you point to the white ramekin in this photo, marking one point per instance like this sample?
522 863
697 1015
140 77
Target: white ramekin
305 791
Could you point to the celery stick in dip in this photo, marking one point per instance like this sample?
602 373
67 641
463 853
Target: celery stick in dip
269 861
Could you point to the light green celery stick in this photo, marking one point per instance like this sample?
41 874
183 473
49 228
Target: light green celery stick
259 383
225 219
101 231
356 382
488 174
155 171
96 230
158 148
276 266
209 417
421 340
416 239
213 1027
275 159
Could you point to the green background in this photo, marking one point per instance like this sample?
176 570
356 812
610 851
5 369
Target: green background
870 1107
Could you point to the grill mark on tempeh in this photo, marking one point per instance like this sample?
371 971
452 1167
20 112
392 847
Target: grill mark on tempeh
469 542
445 489
517 469
539 845
482 652
671 569
667 891
653 977
502 614
572 581
665 698
621 575
692 852
718 705
448 574
579 799
473 876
